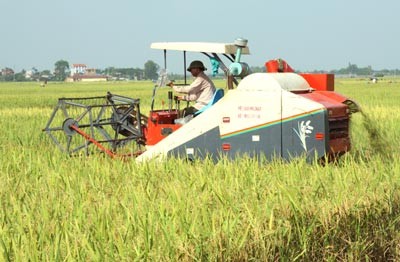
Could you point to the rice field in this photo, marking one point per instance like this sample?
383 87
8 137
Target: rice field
58 208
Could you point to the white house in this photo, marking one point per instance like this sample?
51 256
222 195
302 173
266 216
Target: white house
78 69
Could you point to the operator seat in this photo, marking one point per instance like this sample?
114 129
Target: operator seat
219 93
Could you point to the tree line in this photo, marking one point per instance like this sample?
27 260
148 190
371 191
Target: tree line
62 70
350 70
150 72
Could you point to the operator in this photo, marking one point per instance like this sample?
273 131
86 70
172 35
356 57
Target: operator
201 90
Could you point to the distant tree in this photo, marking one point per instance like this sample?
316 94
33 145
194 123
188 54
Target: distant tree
257 69
19 77
365 71
150 70
138 74
352 69
61 70
7 74
45 74
35 73
109 71
122 73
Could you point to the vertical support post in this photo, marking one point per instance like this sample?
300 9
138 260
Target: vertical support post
184 66
165 58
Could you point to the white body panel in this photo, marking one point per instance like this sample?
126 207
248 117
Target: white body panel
274 81
259 100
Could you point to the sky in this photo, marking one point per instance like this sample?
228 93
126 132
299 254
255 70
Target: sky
308 34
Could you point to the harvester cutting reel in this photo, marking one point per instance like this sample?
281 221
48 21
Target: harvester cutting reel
110 123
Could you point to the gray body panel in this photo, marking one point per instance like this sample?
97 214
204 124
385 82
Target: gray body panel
205 145
278 140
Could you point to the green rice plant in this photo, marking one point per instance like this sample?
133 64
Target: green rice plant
55 207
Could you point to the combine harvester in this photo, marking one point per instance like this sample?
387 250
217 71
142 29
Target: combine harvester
276 114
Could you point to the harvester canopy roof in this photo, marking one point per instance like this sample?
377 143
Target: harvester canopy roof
219 48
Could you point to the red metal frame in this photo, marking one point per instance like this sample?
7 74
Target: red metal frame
160 124
100 146
320 82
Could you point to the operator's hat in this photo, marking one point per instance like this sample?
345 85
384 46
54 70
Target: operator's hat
196 64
